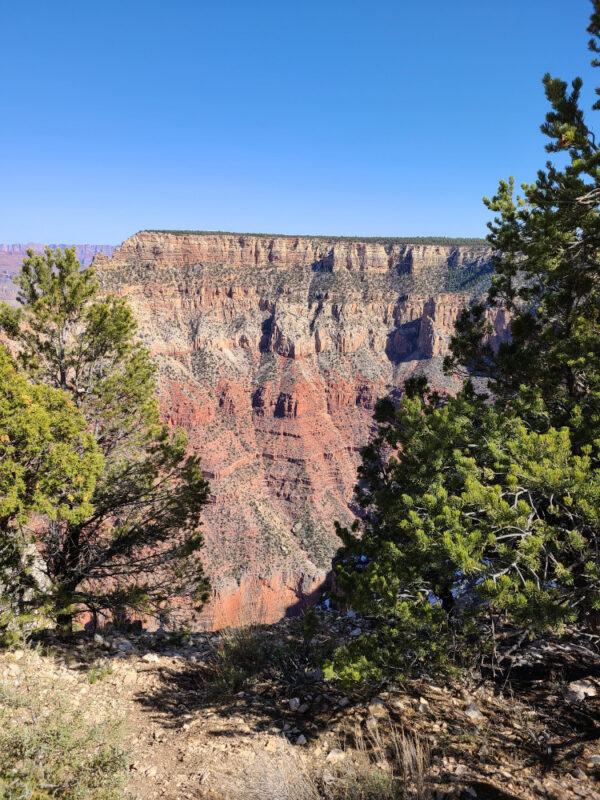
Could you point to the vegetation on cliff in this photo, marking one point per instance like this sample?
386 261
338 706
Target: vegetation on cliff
445 241
482 509
135 544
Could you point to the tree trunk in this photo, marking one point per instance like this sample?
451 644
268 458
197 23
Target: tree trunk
64 625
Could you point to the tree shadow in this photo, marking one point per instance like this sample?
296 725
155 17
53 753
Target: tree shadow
265 674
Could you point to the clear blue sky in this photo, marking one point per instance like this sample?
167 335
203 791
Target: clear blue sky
362 117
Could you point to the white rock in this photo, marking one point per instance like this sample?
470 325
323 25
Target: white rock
579 690
294 703
150 657
301 739
335 755
472 711
377 708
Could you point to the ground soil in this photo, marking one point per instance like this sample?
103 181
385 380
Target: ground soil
523 738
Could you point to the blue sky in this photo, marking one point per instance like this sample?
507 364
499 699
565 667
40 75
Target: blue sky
323 116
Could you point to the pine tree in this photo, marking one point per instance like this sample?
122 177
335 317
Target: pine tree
485 507
139 547
49 465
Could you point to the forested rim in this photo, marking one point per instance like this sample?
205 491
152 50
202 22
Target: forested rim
434 240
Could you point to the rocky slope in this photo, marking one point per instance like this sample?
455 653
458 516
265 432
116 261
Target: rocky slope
247 715
12 255
272 352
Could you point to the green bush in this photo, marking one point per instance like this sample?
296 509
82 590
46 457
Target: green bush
240 656
48 751
482 508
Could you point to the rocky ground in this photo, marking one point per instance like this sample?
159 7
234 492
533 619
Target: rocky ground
245 715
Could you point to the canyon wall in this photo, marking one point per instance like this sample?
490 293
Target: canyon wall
272 351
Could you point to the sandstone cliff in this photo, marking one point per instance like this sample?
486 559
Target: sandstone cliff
272 352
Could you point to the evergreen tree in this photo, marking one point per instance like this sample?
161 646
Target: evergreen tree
486 506
138 547
49 465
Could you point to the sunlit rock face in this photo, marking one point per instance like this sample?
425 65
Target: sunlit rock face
272 352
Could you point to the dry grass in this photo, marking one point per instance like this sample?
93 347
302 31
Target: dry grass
276 772
382 763
49 750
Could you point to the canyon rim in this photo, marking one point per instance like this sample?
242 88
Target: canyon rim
272 351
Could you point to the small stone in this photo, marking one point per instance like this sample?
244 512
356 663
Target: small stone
355 632
350 614
303 708
150 658
594 759
335 755
294 703
472 711
343 702
377 708
124 647
301 739
579 690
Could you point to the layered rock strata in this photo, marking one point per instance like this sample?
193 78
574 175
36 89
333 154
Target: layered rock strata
272 351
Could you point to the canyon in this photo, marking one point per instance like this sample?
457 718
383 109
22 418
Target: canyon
272 351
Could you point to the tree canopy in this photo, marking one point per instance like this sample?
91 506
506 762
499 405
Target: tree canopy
138 545
483 509
49 465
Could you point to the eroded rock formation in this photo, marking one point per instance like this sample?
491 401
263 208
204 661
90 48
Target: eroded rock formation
272 352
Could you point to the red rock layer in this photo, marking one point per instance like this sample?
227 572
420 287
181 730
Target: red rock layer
272 352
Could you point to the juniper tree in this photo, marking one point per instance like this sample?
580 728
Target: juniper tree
49 465
139 546
486 506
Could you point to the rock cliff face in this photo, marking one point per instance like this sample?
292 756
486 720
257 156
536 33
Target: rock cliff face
272 352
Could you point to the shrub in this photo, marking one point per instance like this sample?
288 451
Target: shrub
48 751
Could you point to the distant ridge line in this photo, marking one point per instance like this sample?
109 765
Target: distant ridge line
434 240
